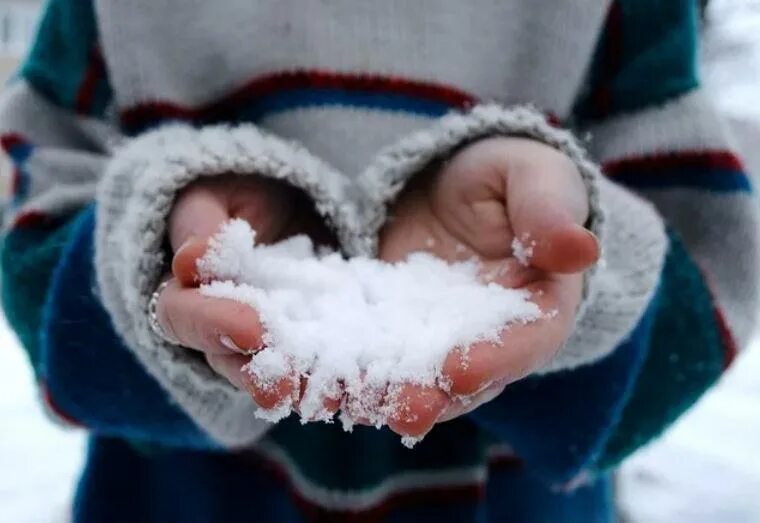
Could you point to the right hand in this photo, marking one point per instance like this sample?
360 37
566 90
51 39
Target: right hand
474 206
224 331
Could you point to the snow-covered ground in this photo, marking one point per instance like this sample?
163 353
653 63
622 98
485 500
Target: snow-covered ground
706 469
39 461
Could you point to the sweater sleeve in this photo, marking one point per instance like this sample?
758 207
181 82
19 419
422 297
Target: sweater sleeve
656 132
657 136
558 419
83 242
675 293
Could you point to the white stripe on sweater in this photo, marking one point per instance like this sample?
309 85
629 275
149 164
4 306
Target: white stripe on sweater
719 231
348 138
687 123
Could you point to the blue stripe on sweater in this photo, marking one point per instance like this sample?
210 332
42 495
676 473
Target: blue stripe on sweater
718 180
256 110
20 152
300 98
90 374
22 189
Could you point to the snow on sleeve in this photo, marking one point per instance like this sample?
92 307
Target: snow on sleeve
360 322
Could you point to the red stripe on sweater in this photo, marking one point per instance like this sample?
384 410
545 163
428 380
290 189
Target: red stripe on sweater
677 160
299 79
93 75
53 408
32 219
553 119
730 349
728 342
437 494
10 140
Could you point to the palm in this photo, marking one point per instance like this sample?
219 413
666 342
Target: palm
456 224
460 215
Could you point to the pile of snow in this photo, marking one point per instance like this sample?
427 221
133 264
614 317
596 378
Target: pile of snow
360 322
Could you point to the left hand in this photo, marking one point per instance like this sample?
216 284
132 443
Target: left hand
474 205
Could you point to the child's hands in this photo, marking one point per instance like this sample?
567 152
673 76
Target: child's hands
224 330
475 205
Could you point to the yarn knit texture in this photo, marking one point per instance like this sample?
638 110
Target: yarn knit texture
120 105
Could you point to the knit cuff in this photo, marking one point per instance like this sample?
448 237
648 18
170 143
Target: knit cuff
134 200
625 281
615 291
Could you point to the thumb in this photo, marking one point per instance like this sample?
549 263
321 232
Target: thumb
197 215
547 207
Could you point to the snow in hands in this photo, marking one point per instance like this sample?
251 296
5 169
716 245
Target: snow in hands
360 323
523 250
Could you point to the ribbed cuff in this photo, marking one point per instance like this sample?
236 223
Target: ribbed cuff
134 200
624 282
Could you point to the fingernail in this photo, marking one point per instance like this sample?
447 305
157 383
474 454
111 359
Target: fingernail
183 267
189 240
592 235
230 344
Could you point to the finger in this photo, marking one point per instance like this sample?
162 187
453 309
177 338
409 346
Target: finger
211 325
185 260
231 366
414 409
272 394
520 348
328 401
365 403
197 214
563 248
547 207
463 405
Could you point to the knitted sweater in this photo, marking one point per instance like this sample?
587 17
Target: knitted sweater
121 104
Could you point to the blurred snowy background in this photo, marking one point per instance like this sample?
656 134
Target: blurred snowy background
706 469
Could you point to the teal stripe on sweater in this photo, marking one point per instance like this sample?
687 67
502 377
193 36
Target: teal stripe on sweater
685 358
377 455
646 55
27 260
63 63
